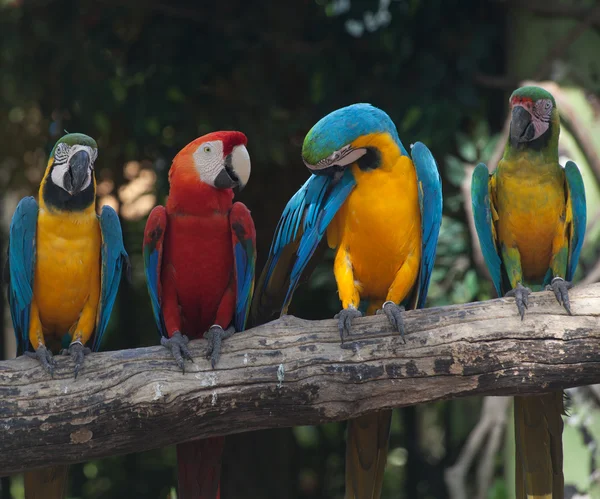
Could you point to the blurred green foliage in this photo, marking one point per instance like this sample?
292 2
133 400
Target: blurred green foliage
145 78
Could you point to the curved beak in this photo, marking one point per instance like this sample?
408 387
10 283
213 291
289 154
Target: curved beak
77 174
337 161
521 126
236 170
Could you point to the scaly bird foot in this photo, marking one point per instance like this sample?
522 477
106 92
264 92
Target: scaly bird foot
561 291
520 294
215 336
44 356
178 346
345 318
394 315
78 352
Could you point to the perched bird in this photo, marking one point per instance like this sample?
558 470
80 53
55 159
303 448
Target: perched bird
381 211
199 255
64 268
530 216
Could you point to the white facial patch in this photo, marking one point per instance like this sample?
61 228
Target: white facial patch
208 159
240 162
540 116
343 157
62 155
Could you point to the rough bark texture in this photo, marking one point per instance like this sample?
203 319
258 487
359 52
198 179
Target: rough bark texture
293 372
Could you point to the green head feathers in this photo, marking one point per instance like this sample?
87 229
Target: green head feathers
534 124
72 139
532 93
69 183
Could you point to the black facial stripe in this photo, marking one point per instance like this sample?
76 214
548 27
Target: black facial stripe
370 160
59 199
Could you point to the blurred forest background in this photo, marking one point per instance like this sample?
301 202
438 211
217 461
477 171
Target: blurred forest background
145 78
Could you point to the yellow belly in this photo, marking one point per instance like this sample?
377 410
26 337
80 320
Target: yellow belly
531 211
67 267
380 226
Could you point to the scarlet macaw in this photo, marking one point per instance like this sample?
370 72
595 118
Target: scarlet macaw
65 265
382 213
530 216
199 255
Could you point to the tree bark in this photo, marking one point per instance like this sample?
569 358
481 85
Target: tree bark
293 372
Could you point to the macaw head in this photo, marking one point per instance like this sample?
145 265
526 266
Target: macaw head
534 118
346 136
219 159
71 165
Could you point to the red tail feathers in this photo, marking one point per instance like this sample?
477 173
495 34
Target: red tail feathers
199 468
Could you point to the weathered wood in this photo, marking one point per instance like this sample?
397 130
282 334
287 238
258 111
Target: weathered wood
293 372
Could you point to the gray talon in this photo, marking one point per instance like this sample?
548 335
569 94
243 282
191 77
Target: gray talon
215 336
178 346
394 315
44 356
561 291
78 352
521 295
345 318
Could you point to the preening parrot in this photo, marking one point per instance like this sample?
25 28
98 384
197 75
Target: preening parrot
530 216
64 268
381 209
199 255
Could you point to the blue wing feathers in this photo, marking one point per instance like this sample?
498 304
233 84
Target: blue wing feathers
576 190
482 214
21 261
315 204
151 269
430 202
245 263
244 252
154 232
114 260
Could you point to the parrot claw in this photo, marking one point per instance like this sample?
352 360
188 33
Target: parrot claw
345 318
78 352
394 315
561 291
44 356
178 346
215 335
521 295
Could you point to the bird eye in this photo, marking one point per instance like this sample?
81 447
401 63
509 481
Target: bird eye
207 149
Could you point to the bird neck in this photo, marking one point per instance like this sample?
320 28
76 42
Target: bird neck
197 198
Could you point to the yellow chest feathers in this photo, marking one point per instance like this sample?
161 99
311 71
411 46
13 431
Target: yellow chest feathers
67 265
380 224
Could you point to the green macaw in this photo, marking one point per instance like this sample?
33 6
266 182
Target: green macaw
530 216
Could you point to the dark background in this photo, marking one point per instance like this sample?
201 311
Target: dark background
146 78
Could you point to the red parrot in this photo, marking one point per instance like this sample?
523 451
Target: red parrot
199 257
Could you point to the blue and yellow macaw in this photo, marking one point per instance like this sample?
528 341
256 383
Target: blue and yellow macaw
530 216
382 213
65 265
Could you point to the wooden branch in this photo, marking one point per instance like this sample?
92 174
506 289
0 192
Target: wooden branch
293 372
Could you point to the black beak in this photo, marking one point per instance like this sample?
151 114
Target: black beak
77 174
521 127
227 178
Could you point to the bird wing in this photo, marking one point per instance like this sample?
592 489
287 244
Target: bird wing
243 236
576 215
21 268
114 260
154 235
299 232
430 203
483 213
